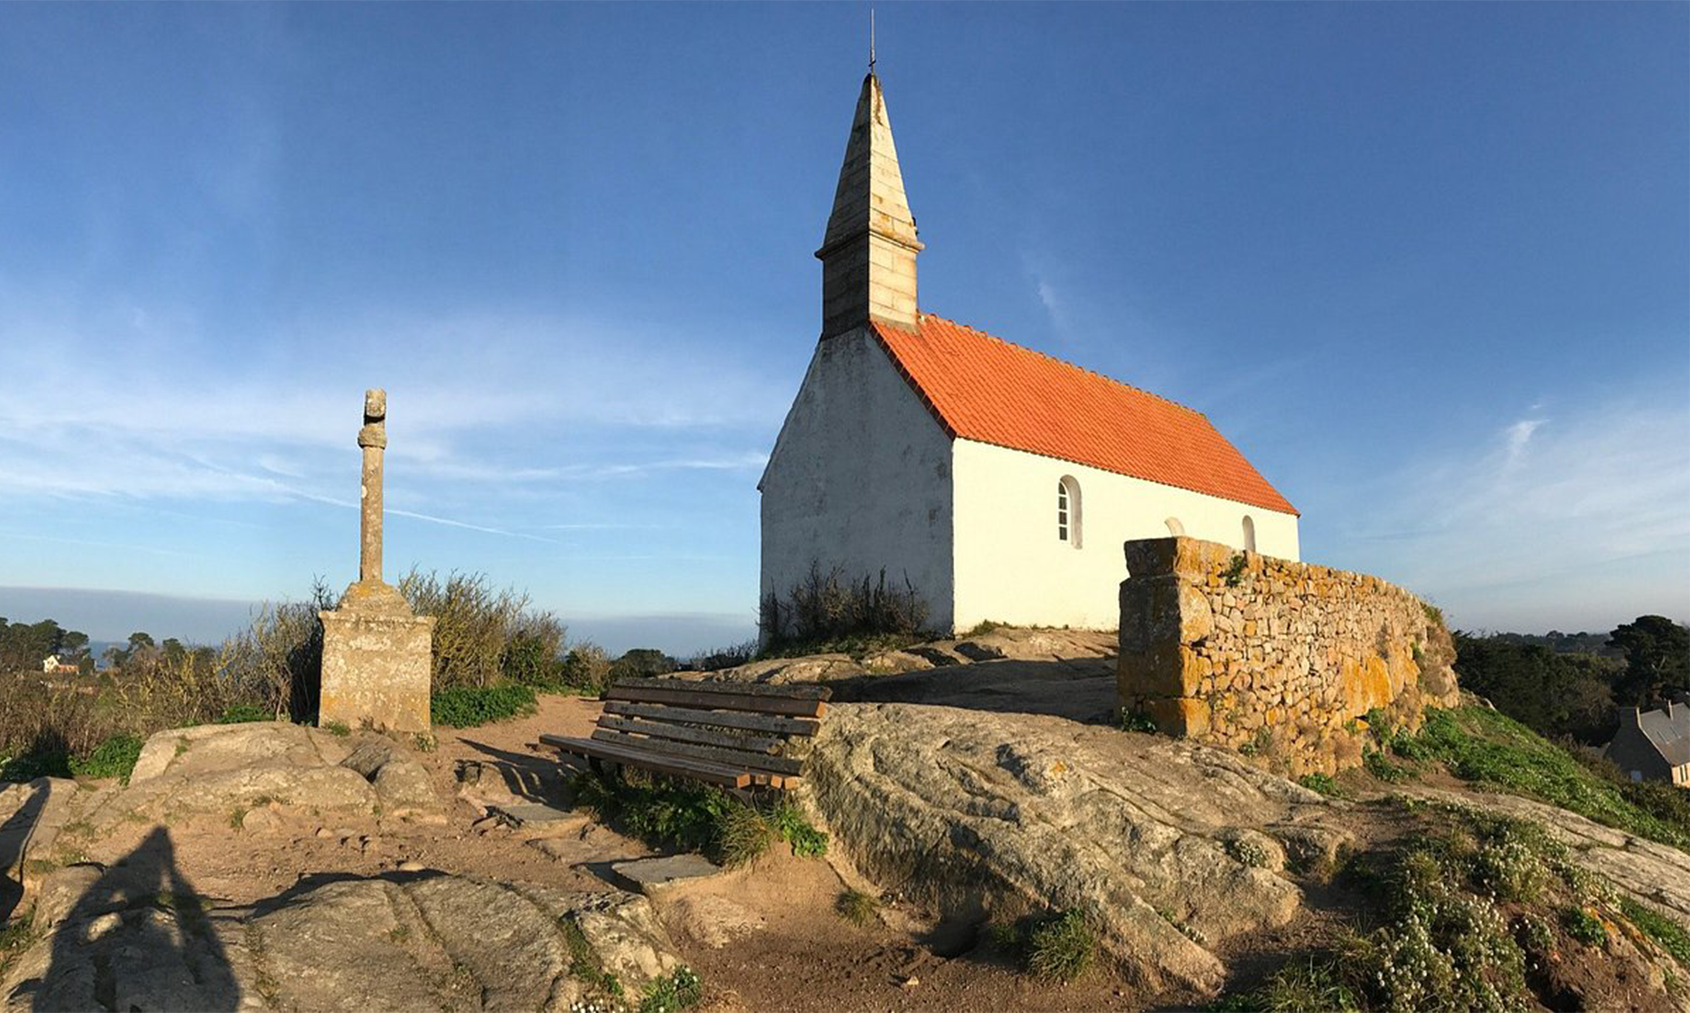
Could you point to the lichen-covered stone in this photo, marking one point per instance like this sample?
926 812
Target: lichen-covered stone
1237 648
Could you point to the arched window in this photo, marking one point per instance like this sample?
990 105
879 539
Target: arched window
1068 511
1174 526
1249 534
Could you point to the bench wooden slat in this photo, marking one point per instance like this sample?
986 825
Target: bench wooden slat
752 762
713 773
792 691
728 701
727 719
684 733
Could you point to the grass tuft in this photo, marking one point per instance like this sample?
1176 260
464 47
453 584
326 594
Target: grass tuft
1061 948
856 907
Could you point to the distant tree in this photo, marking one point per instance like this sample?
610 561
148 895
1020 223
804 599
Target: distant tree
73 645
643 662
140 639
1657 661
173 652
1553 694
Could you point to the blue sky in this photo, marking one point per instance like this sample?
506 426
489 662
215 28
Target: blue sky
1425 264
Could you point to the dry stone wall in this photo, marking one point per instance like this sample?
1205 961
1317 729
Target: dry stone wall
1273 657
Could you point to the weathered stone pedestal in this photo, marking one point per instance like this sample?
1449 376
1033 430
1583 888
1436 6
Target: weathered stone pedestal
378 656
377 660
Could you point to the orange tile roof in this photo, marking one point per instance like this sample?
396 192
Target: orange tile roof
985 389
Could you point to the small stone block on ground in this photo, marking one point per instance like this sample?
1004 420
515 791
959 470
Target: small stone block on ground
535 819
655 873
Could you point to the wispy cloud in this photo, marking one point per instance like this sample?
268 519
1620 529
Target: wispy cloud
141 403
1518 435
1544 504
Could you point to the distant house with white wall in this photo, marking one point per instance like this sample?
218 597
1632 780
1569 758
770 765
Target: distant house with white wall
1000 482
53 663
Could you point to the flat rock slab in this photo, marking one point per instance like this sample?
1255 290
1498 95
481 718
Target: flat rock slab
532 819
651 873
103 940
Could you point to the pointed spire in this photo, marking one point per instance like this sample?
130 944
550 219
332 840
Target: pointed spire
868 254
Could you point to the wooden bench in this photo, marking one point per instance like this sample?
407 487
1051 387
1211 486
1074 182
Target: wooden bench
732 734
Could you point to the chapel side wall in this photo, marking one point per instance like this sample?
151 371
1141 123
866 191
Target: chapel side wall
1244 650
860 478
1012 568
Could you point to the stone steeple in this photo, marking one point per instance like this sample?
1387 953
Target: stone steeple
868 254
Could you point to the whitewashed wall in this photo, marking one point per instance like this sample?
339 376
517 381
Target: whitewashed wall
860 477
1011 567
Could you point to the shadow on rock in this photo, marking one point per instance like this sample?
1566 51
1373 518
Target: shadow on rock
137 938
535 778
14 837
1081 689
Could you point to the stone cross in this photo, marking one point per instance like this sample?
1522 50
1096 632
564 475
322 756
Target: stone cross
377 654
373 438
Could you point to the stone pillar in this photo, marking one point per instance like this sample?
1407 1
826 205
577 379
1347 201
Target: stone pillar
377 655
373 439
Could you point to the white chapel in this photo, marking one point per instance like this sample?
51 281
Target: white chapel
1000 482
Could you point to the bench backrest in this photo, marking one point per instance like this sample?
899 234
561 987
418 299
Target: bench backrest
752 725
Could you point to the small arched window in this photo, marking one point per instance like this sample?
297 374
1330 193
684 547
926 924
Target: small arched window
1249 534
1068 511
1174 526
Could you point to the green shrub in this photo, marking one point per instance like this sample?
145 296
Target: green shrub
114 757
1061 948
468 706
241 713
1133 720
1584 926
697 817
33 765
529 661
1382 768
585 669
793 827
477 626
1322 783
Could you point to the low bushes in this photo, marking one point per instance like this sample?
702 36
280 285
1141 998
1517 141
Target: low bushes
468 706
1468 911
695 817
826 610
115 757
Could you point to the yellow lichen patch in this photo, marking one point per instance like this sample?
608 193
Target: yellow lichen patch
1180 716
